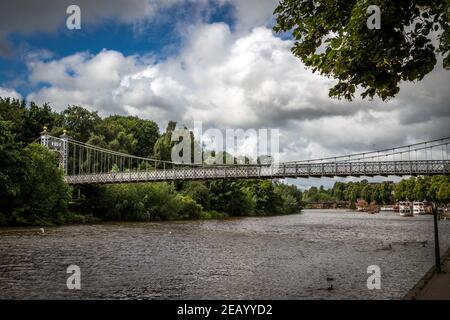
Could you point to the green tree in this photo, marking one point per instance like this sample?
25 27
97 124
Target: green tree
10 170
163 146
443 194
43 193
230 198
146 132
332 37
438 188
188 208
421 187
141 201
291 198
385 192
366 193
266 200
199 192
80 122
35 119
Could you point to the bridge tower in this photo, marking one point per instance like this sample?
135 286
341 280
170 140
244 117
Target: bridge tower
60 145
45 138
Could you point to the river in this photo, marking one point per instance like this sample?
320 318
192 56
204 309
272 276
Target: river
281 257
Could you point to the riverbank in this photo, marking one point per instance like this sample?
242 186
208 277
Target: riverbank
433 285
90 220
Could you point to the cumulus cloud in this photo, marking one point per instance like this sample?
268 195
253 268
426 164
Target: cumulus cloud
251 13
217 78
229 79
9 93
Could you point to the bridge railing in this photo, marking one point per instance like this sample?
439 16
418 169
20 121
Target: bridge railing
373 168
84 163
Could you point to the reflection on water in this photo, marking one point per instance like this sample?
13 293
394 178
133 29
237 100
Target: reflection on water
284 257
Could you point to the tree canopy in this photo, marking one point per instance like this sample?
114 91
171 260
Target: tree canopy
332 37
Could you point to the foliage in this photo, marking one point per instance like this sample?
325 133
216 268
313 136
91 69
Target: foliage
380 193
145 201
435 189
9 169
199 192
41 196
80 122
291 198
332 37
231 198
146 132
267 201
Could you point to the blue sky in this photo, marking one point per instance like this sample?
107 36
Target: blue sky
159 38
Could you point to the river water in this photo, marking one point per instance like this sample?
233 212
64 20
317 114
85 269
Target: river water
282 257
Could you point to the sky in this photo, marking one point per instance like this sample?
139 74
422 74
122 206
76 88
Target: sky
218 62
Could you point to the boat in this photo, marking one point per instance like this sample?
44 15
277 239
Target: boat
405 209
419 207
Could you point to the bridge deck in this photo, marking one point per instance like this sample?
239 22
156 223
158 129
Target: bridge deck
283 170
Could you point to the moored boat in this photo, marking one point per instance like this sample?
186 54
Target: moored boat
419 207
405 209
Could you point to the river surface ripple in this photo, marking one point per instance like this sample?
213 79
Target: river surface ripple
282 257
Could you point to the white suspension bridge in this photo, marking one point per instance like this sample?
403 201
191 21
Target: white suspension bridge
83 163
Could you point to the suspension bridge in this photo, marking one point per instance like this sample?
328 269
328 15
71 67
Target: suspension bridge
83 163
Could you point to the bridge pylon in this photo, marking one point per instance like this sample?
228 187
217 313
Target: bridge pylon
61 146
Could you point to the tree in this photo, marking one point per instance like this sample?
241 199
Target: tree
267 201
438 189
199 192
188 208
291 198
18 115
228 197
420 188
146 132
443 194
44 196
404 190
35 119
144 201
163 146
332 37
9 171
385 192
80 122
366 193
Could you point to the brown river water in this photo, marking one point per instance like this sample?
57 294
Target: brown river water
281 257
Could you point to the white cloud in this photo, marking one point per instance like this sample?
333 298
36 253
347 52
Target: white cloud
228 79
9 93
251 13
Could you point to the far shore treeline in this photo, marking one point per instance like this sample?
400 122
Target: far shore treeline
33 192
434 189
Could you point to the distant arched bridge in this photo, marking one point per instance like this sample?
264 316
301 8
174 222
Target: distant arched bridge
88 164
